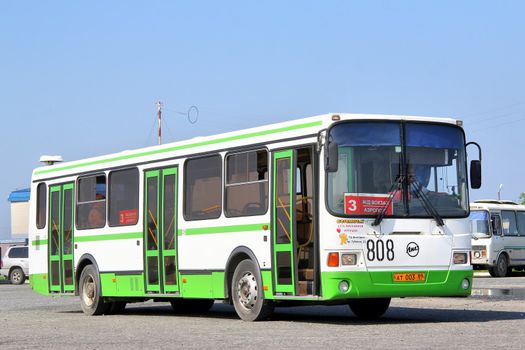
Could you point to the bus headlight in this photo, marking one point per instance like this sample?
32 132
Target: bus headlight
460 258
344 286
465 284
348 259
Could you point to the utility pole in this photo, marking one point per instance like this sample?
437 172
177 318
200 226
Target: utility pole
159 113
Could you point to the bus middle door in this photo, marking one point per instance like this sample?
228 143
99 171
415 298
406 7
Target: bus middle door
160 227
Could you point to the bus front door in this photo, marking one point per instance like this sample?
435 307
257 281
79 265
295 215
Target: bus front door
160 227
283 221
60 267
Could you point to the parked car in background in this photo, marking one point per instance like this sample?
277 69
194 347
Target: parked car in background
14 265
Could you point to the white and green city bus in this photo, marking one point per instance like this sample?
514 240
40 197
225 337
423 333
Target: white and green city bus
333 209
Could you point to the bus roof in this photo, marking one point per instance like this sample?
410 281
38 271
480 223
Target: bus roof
261 134
494 204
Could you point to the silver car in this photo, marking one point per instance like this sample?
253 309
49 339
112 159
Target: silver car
15 264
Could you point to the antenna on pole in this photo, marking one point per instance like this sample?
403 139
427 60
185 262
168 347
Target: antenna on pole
159 113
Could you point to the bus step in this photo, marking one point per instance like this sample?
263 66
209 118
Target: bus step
306 287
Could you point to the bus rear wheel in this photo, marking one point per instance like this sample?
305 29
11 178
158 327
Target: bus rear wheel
91 299
247 293
369 309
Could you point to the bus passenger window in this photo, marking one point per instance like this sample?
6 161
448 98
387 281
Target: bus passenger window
521 222
123 197
508 222
246 187
41 199
91 203
203 188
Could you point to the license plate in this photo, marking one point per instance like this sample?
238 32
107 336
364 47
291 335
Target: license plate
409 277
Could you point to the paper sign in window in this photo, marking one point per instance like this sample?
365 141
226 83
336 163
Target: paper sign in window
366 204
128 217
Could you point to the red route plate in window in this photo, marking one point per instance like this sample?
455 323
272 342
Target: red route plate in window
366 204
128 217
409 277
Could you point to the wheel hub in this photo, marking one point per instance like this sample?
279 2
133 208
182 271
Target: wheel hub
16 276
247 290
88 292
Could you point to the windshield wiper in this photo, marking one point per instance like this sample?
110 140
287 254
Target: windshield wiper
392 192
429 207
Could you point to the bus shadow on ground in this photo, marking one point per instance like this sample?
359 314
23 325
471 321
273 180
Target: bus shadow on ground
396 315
512 274
340 315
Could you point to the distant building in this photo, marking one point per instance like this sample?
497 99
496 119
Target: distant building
19 200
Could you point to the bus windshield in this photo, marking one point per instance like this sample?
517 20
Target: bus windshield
402 169
479 223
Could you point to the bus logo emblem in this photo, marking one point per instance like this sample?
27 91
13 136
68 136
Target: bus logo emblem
412 249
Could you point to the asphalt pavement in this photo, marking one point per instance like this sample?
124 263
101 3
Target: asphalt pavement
494 316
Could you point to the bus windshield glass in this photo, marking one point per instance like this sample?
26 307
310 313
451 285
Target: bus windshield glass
479 223
398 170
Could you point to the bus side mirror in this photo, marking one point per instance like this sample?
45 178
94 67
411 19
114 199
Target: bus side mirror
331 158
475 168
475 174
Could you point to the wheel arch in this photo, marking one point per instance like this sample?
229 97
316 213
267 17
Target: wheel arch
237 255
85 260
506 254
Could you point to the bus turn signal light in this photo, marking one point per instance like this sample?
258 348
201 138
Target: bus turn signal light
333 259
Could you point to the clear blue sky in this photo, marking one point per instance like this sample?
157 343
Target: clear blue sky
81 78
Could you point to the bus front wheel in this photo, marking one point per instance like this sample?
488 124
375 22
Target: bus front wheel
91 299
501 269
247 293
369 309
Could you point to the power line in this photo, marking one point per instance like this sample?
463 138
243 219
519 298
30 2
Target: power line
150 131
498 125
172 110
497 117
167 127
496 109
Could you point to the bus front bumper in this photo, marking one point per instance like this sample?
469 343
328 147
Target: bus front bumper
381 284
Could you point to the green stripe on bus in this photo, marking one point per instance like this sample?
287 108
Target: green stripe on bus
178 148
223 229
38 242
138 235
108 237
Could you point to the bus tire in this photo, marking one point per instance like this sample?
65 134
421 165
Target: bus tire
247 293
501 269
91 299
17 276
369 309
190 306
